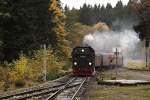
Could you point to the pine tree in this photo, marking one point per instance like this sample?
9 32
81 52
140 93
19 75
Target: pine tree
4 19
143 11
27 27
95 13
57 33
102 14
72 17
109 14
86 15
118 11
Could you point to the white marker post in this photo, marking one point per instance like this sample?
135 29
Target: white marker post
116 51
44 62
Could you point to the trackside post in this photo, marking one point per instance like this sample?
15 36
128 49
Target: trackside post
45 62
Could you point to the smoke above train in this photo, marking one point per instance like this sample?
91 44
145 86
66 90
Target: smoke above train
104 41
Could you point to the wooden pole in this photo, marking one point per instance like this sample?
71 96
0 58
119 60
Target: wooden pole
44 63
116 60
146 51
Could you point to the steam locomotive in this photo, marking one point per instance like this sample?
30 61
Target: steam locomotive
84 61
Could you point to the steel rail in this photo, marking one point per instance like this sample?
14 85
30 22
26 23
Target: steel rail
44 93
31 91
60 90
73 97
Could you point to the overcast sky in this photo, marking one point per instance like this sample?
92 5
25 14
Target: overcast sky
79 3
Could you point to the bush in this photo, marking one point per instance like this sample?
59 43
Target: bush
52 76
36 68
6 86
67 66
32 68
1 86
4 73
20 69
40 78
19 83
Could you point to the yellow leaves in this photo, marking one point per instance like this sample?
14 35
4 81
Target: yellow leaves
57 18
13 76
20 69
54 7
61 33
101 26
67 51
4 73
53 66
21 65
36 64
25 68
1 86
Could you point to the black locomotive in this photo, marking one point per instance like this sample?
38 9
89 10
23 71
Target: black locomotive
83 61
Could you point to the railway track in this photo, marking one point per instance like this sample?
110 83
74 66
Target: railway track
77 91
36 90
47 92
53 96
71 93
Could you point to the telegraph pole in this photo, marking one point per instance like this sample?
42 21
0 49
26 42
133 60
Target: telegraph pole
116 57
116 53
45 62
146 53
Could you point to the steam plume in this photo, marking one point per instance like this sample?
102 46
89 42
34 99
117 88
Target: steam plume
103 42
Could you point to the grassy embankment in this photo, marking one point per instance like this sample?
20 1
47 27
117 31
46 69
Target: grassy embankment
120 93
138 64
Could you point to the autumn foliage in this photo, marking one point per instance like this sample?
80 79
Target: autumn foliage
101 26
32 68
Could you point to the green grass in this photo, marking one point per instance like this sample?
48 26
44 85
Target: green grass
124 74
112 76
121 93
138 64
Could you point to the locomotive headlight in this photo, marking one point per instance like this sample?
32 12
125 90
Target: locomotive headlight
90 63
75 63
82 50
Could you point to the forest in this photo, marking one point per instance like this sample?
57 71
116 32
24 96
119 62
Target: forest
27 25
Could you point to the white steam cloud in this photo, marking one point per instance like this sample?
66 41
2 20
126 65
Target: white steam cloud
103 42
